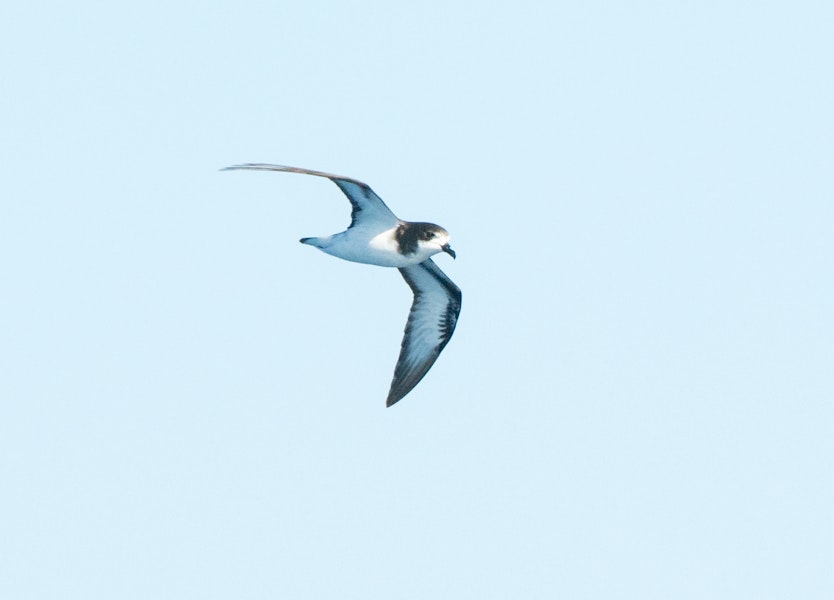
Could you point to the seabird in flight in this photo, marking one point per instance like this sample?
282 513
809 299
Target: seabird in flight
377 237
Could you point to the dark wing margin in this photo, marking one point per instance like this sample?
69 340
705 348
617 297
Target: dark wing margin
431 323
365 204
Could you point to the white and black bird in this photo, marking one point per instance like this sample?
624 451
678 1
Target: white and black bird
377 237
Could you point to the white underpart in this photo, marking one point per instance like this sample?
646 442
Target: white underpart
385 243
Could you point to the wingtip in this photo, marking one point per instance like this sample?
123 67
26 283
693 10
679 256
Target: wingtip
394 396
396 393
256 167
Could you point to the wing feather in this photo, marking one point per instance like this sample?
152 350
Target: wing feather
367 209
431 323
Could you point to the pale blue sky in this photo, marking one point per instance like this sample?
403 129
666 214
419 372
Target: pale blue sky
638 401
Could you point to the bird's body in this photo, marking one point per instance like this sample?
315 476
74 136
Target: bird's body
383 249
377 237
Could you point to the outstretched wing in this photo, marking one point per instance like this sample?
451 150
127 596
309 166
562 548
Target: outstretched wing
431 322
368 209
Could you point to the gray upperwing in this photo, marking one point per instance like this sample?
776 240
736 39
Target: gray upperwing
431 323
368 209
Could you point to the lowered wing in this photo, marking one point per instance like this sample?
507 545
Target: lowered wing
431 322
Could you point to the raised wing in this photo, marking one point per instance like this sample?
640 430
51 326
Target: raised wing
368 209
431 322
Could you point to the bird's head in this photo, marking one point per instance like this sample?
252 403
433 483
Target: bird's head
432 239
420 241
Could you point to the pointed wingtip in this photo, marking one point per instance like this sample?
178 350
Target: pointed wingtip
256 167
392 400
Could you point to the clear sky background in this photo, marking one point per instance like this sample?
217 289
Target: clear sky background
639 398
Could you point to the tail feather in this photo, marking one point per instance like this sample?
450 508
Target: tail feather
318 242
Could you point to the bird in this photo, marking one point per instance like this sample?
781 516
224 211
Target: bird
376 236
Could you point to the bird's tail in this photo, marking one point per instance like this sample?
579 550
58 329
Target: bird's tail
318 242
